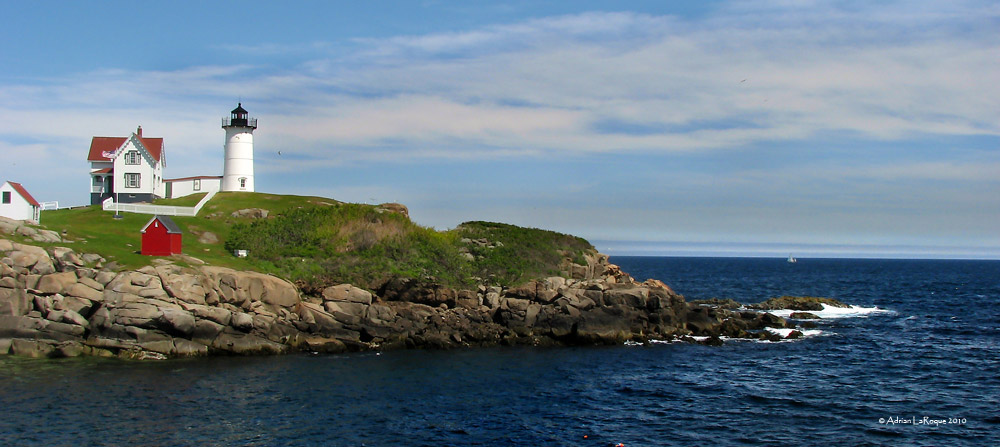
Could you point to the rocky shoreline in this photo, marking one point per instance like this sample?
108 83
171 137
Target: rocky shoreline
56 302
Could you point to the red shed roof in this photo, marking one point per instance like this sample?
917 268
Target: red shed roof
100 147
24 193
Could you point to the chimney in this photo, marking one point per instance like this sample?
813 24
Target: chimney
138 132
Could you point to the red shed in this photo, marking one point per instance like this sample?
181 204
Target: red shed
161 237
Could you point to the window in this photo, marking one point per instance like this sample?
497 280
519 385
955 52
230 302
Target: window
132 157
131 180
6 197
98 181
197 184
243 183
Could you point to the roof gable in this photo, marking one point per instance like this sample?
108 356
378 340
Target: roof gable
167 222
104 148
24 193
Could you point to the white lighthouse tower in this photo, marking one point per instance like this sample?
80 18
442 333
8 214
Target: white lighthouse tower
237 173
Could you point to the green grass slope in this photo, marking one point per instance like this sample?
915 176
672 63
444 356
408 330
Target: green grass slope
315 242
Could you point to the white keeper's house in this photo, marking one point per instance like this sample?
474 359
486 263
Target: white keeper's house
130 169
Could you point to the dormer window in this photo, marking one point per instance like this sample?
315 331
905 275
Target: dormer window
132 157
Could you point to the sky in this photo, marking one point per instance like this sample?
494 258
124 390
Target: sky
687 128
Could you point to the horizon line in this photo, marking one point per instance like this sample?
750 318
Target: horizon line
799 250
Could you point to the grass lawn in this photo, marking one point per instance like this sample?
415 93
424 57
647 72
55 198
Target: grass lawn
316 241
93 230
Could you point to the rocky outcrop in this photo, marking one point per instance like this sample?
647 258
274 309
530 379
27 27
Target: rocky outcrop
802 303
11 226
397 208
56 302
252 213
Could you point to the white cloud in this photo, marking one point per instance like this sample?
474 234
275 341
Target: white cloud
545 84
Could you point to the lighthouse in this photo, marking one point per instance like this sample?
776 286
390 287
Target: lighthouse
237 172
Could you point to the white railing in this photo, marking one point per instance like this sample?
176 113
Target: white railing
163 210
50 206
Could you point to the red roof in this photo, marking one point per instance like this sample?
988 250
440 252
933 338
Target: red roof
100 146
102 171
24 193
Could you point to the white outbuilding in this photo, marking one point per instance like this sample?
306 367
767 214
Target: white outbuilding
16 203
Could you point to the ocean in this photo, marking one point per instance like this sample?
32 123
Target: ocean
917 363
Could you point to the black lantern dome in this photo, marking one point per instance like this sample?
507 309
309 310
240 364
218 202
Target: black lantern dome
239 117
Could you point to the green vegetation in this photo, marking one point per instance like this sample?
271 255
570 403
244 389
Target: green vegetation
93 230
190 200
360 244
316 242
512 254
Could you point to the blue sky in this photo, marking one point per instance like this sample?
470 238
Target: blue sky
843 128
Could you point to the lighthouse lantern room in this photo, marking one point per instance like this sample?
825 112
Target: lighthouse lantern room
237 172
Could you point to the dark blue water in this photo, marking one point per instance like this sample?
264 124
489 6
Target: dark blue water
932 366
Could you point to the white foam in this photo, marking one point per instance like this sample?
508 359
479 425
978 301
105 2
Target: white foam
829 312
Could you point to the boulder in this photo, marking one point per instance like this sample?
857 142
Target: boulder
348 293
242 321
104 277
208 237
81 290
67 316
20 326
45 236
79 305
31 259
380 314
89 281
236 287
467 299
527 291
517 305
30 348
182 285
701 320
205 331
135 313
187 348
56 282
771 320
631 296
397 208
176 321
9 226
602 326
14 302
245 344
252 213
67 257
803 303
216 314
69 349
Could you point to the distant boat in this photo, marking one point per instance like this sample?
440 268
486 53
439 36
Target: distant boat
792 260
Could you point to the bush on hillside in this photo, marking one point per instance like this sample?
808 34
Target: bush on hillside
365 245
